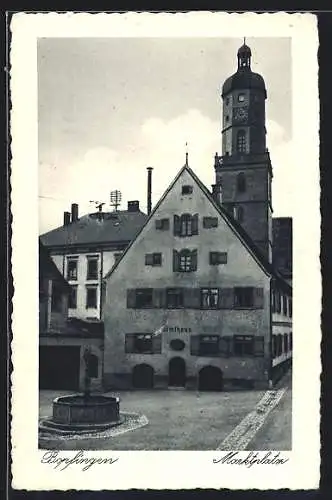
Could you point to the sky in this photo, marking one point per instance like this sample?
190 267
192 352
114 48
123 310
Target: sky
108 108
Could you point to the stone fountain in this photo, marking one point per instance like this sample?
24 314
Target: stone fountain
83 413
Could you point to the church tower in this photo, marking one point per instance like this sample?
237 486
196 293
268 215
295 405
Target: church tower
244 172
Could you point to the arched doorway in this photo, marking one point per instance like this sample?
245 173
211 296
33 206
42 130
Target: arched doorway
143 376
210 379
177 372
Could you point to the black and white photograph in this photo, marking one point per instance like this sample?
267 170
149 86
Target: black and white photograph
168 183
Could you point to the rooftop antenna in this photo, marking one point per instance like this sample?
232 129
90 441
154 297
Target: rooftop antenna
115 198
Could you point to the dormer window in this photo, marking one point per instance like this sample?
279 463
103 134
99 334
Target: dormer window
187 189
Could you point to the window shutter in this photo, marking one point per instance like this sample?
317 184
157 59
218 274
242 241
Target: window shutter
259 346
259 297
149 259
193 266
176 260
165 224
192 298
209 222
194 345
131 298
194 224
226 298
159 298
222 257
129 342
177 225
156 344
224 346
159 224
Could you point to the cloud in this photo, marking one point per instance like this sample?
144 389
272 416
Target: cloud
160 144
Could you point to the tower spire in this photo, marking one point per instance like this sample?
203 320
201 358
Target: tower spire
244 40
186 164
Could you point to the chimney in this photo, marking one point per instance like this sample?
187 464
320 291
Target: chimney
133 206
66 218
217 193
149 204
74 212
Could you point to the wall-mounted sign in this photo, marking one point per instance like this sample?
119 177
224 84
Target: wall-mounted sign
176 329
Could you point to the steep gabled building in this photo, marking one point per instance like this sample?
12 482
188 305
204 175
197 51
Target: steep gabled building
189 302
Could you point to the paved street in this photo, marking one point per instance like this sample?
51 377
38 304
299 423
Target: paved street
186 420
276 433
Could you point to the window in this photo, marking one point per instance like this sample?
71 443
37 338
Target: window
244 296
284 305
56 305
285 342
93 366
92 271
91 297
187 189
243 345
72 270
153 259
174 298
290 341
209 222
72 302
208 345
143 343
238 213
209 298
217 258
241 183
185 225
144 298
278 301
290 307
241 145
162 224
184 261
227 101
227 118
241 97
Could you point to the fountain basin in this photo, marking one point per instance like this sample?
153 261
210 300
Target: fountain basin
83 410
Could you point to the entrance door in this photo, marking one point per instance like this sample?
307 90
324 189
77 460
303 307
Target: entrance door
59 367
177 372
210 379
143 376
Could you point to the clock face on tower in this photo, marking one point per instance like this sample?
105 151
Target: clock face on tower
240 114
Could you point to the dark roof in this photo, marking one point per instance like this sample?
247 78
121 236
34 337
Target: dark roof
92 229
282 250
244 49
47 267
244 79
237 228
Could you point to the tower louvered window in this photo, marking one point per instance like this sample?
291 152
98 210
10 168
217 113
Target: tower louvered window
241 143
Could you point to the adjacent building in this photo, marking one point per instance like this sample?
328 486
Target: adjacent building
62 342
85 248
